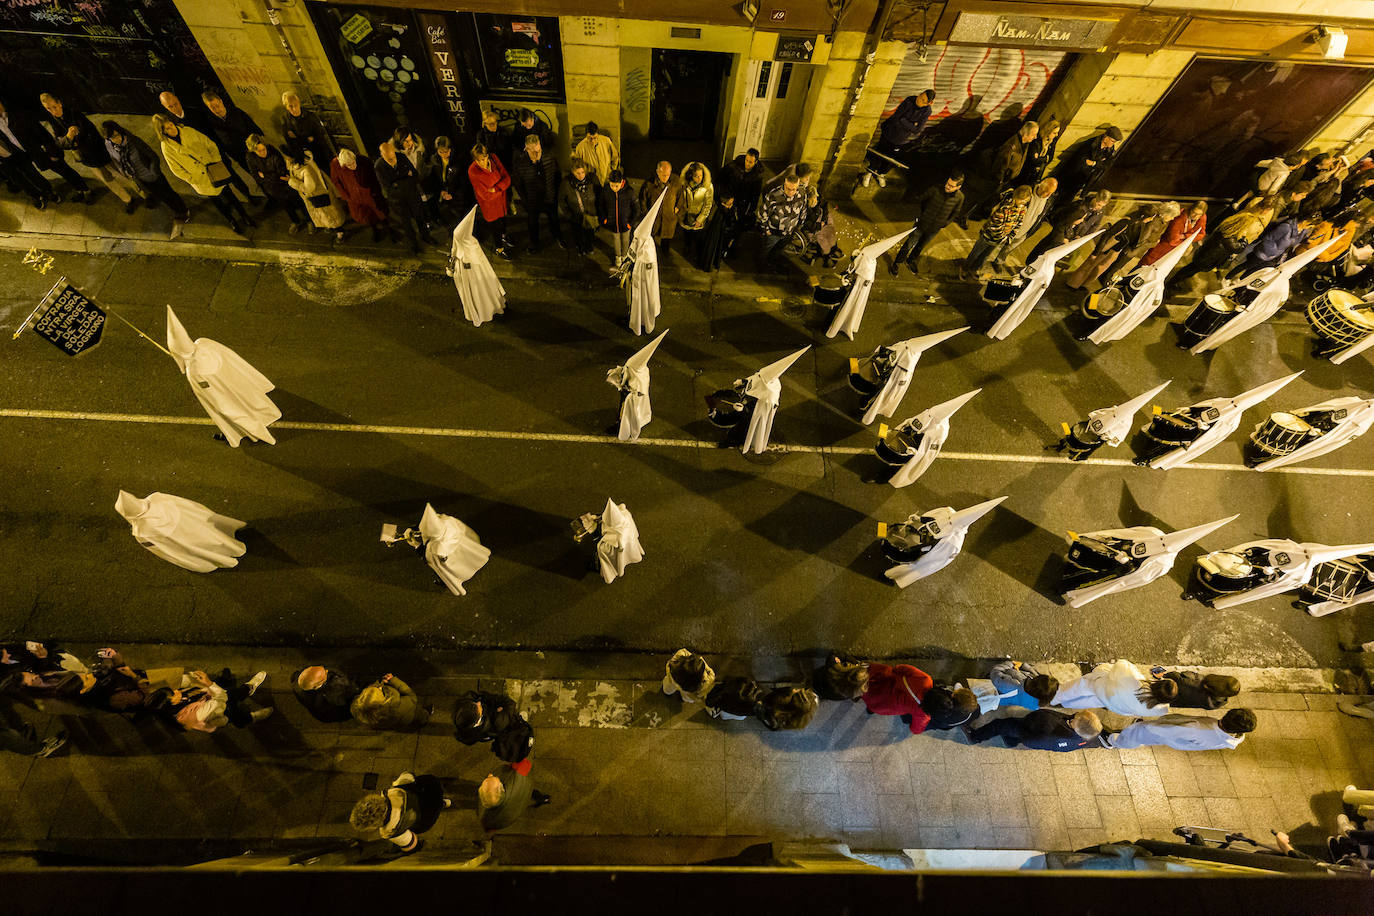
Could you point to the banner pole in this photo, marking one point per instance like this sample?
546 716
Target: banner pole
137 331
23 326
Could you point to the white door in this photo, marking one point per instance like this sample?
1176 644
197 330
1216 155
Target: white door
773 109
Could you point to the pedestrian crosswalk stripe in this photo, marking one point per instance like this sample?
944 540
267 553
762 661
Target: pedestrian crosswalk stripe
528 436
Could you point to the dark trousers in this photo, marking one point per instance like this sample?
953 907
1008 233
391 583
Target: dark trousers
913 246
410 216
879 166
59 166
294 207
234 711
982 250
229 207
19 169
495 230
1009 730
549 212
236 180
771 243
583 236
162 191
20 740
1212 255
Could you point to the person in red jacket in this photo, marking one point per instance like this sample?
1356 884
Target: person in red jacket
490 182
898 691
356 181
1194 219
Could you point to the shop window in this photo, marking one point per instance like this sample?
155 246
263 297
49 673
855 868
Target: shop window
784 80
765 73
1221 117
516 56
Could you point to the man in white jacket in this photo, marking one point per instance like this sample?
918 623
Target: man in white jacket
1187 733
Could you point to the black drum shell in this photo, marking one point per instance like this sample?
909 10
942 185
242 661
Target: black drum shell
831 291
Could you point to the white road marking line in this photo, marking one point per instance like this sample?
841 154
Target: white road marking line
461 433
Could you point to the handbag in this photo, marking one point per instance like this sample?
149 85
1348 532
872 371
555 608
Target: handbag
218 173
319 200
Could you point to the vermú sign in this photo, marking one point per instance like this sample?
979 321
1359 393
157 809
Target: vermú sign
1030 31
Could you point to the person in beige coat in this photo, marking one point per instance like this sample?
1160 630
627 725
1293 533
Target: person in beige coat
695 200
389 704
194 158
317 193
599 152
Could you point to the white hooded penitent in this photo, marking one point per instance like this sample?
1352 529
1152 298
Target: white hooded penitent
1113 424
1147 297
642 290
232 392
851 312
949 528
1229 411
181 531
1357 418
905 355
451 549
633 379
619 544
933 425
1294 563
478 287
765 388
1041 276
1273 285
1154 550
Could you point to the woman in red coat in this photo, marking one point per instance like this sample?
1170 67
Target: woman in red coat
356 182
898 691
490 182
1194 219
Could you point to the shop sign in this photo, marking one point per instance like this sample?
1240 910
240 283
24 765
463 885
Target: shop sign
797 48
522 57
356 28
442 58
1030 31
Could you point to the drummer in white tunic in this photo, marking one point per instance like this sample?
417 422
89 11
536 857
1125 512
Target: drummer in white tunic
182 532
1187 733
883 378
1121 687
1104 426
481 293
912 446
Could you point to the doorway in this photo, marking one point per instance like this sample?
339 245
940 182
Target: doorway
687 88
773 111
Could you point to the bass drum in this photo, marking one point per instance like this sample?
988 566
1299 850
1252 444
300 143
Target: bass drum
830 291
897 447
1209 315
1277 435
865 379
726 408
1000 293
1099 306
1340 318
1226 573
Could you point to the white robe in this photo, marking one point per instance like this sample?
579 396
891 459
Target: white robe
455 553
934 560
619 545
642 289
186 533
232 392
1218 432
479 289
1359 417
767 393
636 410
1184 733
889 397
1111 685
1140 306
851 312
1150 569
932 440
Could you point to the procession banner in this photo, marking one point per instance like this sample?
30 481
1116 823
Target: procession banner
70 321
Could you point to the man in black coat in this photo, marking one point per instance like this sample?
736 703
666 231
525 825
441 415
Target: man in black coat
449 179
492 717
74 131
529 124
401 185
1045 730
1084 166
534 174
742 179
32 149
327 695
230 127
935 208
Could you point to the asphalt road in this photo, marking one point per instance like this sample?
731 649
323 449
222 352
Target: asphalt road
765 555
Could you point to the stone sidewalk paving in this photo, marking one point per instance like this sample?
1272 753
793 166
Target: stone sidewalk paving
622 759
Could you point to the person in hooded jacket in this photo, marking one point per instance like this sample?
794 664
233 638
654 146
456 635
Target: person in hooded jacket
697 199
577 203
620 212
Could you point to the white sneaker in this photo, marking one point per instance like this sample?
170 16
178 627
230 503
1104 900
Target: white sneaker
1359 710
866 179
177 229
255 682
1343 824
882 182
260 714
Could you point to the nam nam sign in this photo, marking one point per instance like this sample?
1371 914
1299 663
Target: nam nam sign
1030 31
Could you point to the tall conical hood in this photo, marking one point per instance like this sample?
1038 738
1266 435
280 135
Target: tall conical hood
1061 251
1320 553
1250 398
918 345
644 231
178 341
1296 263
966 517
876 249
1165 265
1129 408
773 370
129 505
463 231
611 516
431 526
641 359
944 411
1177 540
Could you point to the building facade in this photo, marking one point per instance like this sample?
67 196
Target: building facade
1200 88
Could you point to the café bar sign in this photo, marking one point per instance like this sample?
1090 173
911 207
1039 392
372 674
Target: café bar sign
1031 31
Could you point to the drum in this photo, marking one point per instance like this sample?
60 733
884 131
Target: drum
1340 317
1089 563
1339 580
897 446
830 291
1278 435
1103 304
1209 315
905 543
864 376
726 408
1172 429
1001 292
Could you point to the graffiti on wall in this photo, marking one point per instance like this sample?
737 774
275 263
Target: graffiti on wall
992 79
636 92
